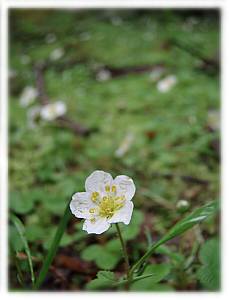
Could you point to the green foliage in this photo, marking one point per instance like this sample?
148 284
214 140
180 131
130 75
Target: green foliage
180 227
105 257
21 203
156 273
172 133
209 273
105 279
21 231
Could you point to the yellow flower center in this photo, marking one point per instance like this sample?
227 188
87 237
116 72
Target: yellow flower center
109 204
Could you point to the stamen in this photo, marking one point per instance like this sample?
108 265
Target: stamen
91 210
113 189
94 196
107 188
92 220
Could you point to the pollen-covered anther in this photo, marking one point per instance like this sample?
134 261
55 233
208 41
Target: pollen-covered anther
113 189
92 220
91 210
107 188
94 196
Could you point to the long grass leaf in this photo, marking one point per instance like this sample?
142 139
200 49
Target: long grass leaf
21 231
53 248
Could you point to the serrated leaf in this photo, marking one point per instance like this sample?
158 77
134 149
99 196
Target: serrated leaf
106 275
97 284
209 272
104 279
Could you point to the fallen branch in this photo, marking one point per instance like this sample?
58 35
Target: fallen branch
122 71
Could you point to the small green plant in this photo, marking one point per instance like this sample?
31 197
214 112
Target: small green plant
141 275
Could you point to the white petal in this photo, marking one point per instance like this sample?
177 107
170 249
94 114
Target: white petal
97 181
80 205
99 226
51 111
124 214
125 186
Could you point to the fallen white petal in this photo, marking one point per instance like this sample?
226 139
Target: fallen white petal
51 111
166 84
28 96
56 54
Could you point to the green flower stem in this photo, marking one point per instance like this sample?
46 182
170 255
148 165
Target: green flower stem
124 254
54 247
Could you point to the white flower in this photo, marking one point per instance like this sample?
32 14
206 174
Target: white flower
29 94
51 111
166 84
103 75
56 54
105 201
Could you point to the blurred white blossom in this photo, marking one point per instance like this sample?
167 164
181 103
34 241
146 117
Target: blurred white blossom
103 75
105 201
56 54
125 145
51 111
28 96
166 83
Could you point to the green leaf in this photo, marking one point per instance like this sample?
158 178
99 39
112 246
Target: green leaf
106 275
104 257
155 274
54 246
34 232
21 203
180 227
15 239
209 273
174 256
91 252
21 231
104 279
107 260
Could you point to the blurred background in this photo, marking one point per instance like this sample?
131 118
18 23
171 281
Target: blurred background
132 92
